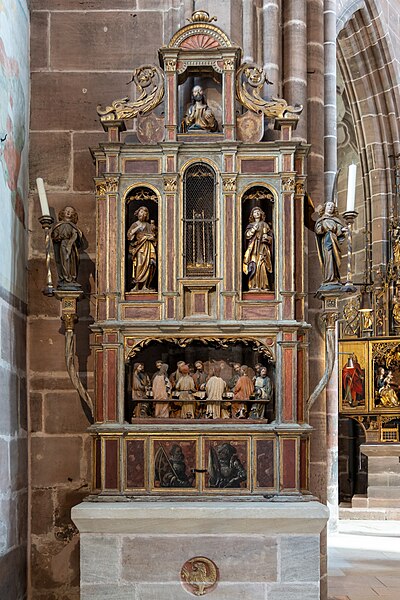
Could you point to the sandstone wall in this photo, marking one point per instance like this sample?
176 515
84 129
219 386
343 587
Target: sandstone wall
14 102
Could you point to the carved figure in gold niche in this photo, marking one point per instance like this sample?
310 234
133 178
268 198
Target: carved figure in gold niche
67 239
330 232
140 385
387 394
257 262
142 236
199 117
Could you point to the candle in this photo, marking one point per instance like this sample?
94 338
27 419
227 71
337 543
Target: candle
44 205
351 189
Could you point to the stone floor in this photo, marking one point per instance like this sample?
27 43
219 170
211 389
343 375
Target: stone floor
364 561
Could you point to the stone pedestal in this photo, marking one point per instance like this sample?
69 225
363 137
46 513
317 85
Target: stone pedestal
383 477
136 550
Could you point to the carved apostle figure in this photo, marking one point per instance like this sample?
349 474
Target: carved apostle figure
185 386
263 391
215 388
257 262
161 388
199 377
67 239
242 391
330 232
140 384
235 376
142 237
199 116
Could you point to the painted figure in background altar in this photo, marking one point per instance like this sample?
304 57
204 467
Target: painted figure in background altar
330 233
387 393
242 392
257 261
185 386
142 237
140 385
262 391
161 387
67 240
215 389
225 468
353 378
199 116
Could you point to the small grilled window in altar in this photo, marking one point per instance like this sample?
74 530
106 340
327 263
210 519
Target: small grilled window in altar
258 240
141 262
199 221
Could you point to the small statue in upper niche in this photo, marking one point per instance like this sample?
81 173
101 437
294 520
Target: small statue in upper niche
67 240
257 261
330 232
142 236
199 116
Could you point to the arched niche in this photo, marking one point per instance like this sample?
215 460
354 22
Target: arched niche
258 275
141 252
199 219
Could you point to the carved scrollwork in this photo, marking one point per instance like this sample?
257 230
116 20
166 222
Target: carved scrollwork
250 80
300 188
352 316
229 64
387 353
134 345
149 81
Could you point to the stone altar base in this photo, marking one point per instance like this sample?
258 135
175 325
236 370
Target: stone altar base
263 550
383 494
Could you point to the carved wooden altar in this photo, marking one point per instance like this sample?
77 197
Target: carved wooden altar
199 189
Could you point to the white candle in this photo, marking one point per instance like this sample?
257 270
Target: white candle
44 205
351 189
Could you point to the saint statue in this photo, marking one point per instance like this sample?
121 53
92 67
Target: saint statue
67 239
142 237
199 117
330 232
257 262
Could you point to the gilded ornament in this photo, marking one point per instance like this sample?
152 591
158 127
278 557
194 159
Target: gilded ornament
170 184
112 184
229 184
201 16
199 576
149 81
170 65
288 184
300 188
352 316
101 188
250 80
229 64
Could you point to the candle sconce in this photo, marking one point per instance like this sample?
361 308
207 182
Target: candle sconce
66 239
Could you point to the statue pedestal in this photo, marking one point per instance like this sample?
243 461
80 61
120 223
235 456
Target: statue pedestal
136 550
383 477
